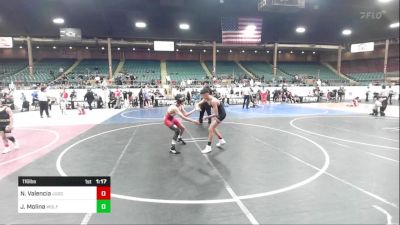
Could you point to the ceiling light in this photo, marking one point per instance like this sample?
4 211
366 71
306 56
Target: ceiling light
191 50
133 49
313 53
20 46
217 50
268 52
242 51
177 50
58 20
280 52
230 50
346 32
70 47
255 51
118 49
384 1
140 25
37 46
87 47
300 29
148 49
302 52
291 52
394 25
102 48
184 26
204 50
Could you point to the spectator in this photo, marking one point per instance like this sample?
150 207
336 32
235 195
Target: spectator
43 102
89 97
246 97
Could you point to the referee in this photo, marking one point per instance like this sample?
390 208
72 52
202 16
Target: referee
43 102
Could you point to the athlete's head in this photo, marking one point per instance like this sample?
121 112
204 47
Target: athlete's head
180 99
206 93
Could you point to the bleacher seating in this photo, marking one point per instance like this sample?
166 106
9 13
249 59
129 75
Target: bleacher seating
226 68
264 70
87 68
369 70
144 70
310 69
41 71
185 70
11 66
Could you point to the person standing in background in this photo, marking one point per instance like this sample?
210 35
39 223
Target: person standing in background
89 97
246 97
43 102
6 126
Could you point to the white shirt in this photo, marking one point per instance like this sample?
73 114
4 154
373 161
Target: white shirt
42 96
246 91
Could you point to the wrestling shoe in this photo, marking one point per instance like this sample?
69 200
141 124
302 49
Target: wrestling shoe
7 150
172 150
206 150
220 143
181 141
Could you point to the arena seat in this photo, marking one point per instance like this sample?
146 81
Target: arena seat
369 70
41 71
185 70
88 67
226 68
264 70
11 66
144 70
310 69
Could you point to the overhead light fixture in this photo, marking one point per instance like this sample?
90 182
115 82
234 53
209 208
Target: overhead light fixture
102 48
70 47
118 48
184 26
347 32
217 50
148 49
37 46
177 50
280 52
86 47
267 52
230 51
242 51
204 50
394 25
190 50
313 53
302 52
20 46
140 25
384 1
300 30
133 49
255 51
291 52
58 20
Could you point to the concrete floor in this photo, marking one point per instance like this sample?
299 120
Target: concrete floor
283 164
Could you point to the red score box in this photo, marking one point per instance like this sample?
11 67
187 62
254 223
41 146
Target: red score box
103 193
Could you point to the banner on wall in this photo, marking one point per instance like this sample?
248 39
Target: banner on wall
6 42
362 47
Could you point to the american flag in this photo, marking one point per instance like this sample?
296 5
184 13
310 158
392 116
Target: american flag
242 30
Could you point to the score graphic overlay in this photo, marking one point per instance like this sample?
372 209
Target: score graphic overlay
64 195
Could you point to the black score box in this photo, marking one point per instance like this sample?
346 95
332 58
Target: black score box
64 194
